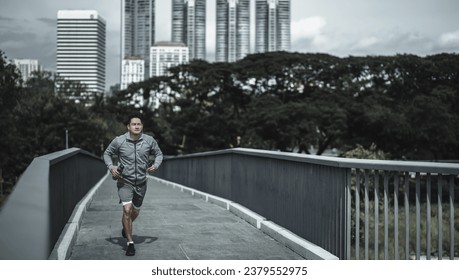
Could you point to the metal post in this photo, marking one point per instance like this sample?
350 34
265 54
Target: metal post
66 138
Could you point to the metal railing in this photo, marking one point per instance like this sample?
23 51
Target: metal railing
42 201
403 212
355 209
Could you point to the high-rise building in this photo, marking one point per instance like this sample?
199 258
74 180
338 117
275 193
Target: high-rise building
189 26
132 71
137 31
233 30
272 30
165 55
27 66
81 49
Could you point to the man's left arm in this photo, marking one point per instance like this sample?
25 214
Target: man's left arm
158 154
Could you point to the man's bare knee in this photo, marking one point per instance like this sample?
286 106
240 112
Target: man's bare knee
127 209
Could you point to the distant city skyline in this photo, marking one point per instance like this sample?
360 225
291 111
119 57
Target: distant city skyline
342 28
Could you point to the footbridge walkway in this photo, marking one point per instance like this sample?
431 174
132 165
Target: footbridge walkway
237 204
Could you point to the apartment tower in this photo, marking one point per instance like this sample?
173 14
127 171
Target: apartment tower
132 69
137 36
27 67
272 29
165 55
81 48
233 30
189 26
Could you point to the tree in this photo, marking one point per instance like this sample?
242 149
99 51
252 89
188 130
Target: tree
10 81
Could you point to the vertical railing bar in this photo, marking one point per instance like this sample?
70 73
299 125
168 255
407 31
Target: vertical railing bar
440 216
357 214
341 241
429 213
386 215
348 214
451 217
376 214
396 255
367 211
418 216
407 215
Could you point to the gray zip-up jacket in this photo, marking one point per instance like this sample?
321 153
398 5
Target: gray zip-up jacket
134 156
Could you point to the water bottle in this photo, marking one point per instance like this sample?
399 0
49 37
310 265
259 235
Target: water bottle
120 171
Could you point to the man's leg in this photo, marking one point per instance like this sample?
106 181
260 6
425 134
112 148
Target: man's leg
134 213
137 200
126 194
127 220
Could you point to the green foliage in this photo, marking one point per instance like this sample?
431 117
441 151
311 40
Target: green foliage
9 93
405 105
291 102
361 153
34 121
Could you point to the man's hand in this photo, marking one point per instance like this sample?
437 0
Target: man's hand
115 172
152 169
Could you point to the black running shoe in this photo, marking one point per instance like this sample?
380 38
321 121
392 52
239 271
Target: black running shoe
123 234
130 250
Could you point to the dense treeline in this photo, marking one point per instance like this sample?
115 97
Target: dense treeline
405 105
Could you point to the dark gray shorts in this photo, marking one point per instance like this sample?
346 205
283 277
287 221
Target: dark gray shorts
131 194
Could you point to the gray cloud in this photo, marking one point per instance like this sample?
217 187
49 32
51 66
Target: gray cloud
51 22
341 28
3 18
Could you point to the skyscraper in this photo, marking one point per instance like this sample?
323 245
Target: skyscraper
137 32
189 26
81 48
272 30
233 30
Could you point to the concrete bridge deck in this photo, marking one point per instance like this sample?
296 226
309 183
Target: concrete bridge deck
173 225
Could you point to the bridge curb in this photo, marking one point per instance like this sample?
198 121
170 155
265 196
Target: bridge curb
292 241
299 245
251 217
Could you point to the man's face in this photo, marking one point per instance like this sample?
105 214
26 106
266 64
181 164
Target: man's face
135 126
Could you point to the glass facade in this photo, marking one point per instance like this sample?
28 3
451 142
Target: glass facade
189 26
232 30
137 30
272 30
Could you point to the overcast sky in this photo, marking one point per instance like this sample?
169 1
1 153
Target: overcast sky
337 27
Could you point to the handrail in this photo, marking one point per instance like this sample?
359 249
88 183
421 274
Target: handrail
298 190
42 201
389 165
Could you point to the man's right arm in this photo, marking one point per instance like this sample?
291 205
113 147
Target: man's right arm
109 152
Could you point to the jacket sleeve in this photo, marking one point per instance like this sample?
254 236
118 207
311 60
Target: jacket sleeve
157 153
109 152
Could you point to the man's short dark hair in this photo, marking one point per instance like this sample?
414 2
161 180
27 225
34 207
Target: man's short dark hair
132 116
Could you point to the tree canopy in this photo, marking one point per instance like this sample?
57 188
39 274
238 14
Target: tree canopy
404 105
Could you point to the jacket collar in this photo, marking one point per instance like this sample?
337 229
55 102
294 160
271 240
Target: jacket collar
128 136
